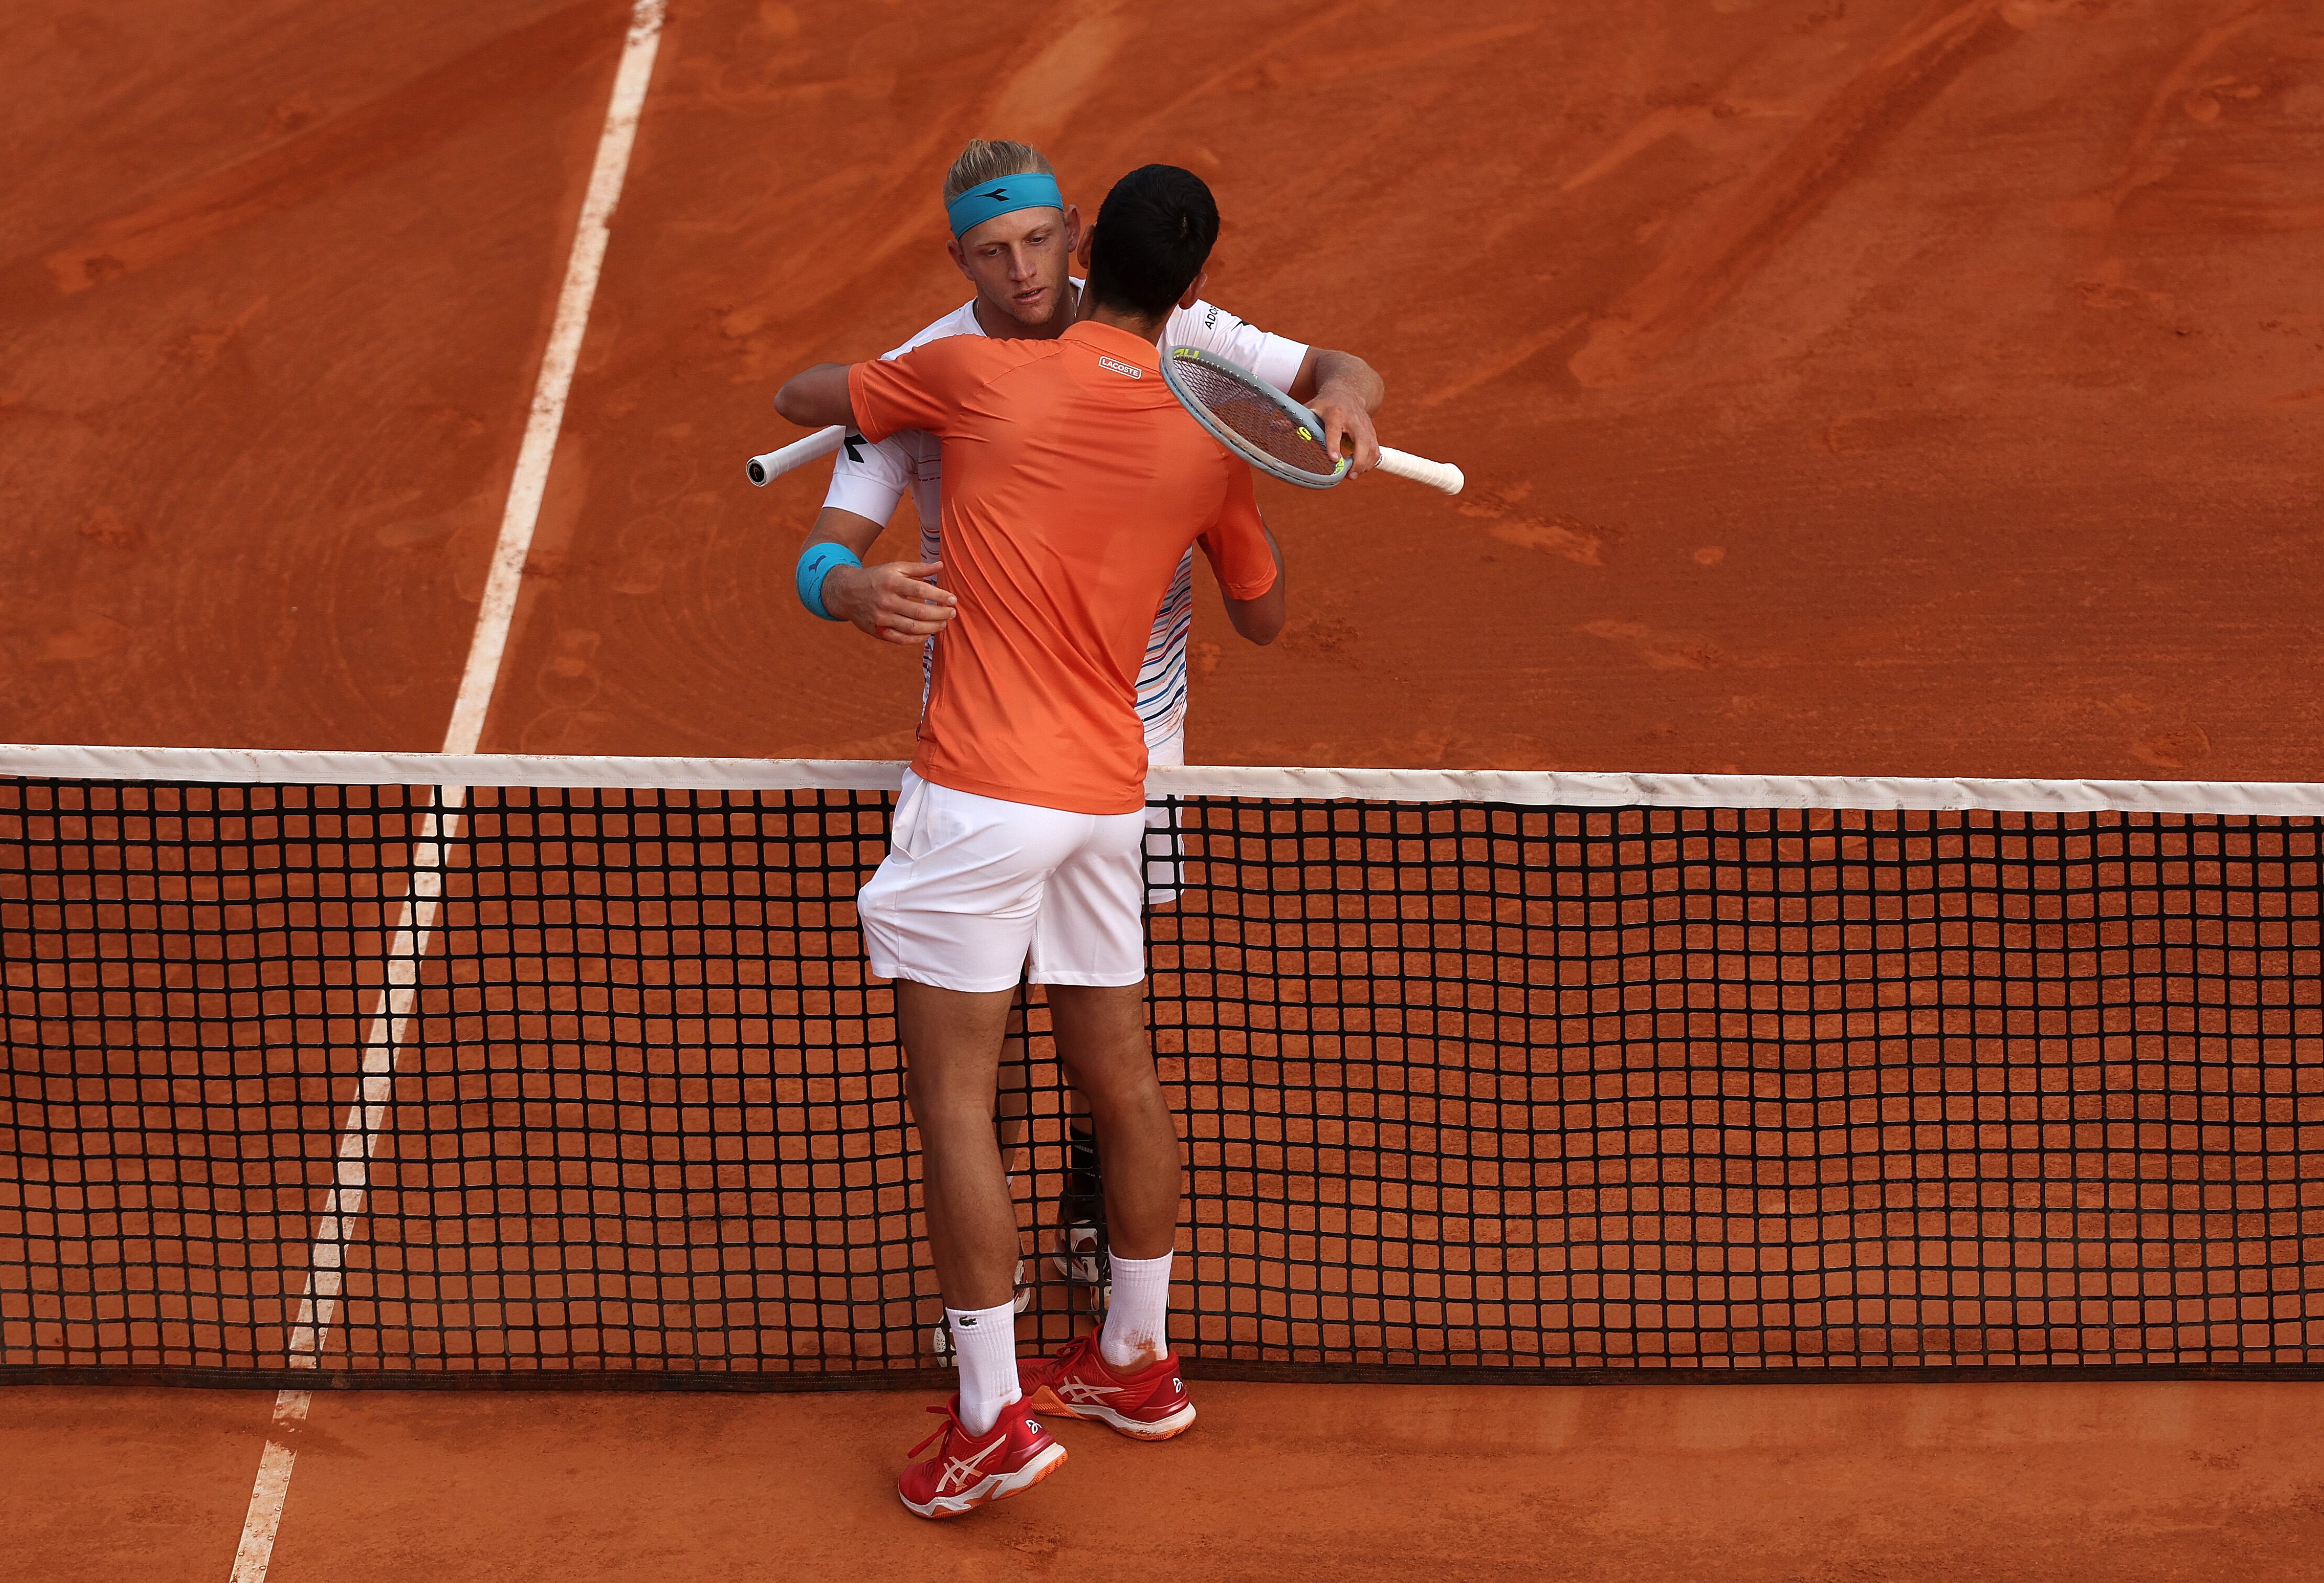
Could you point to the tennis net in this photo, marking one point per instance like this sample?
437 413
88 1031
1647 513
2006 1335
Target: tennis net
405 1070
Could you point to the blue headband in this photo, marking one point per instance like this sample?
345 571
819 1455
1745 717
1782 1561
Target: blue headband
1002 195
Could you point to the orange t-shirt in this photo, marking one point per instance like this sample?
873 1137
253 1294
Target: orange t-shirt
1073 484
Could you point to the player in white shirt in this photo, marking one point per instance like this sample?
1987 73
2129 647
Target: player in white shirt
1019 255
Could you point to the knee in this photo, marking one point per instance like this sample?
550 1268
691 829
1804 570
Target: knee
1112 1091
936 1098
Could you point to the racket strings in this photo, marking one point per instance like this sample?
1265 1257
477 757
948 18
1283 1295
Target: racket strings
1256 419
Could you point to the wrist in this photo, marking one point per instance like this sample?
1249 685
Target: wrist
843 587
1347 389
815 565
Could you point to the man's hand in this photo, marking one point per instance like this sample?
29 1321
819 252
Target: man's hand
1342 389
1342 411
892 600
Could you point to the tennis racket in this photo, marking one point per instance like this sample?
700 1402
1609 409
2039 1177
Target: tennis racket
797 454
1272 432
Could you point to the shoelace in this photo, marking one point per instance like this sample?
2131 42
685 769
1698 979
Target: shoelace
951 1422
1077 1351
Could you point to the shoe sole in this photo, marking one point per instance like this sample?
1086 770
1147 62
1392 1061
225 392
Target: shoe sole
1047 1402
999 1487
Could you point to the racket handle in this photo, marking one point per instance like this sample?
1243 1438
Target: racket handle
1441 476
797 454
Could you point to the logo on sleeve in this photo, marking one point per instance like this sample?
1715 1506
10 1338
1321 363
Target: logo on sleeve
1127 370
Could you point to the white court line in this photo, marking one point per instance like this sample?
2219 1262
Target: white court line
440 825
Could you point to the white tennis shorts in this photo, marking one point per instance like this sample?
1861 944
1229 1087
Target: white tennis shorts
975 889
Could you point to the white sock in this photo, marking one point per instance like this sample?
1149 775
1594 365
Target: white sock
986 1341
1137 1312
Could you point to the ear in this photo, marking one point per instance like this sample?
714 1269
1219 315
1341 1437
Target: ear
1195 291
1081 250
959 259
1074 242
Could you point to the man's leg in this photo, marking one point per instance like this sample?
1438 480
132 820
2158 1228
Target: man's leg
1012 1110
1102 1041
952 1052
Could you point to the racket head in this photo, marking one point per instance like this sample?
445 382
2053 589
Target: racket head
1252 418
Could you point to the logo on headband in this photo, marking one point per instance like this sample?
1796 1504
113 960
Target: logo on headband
998 195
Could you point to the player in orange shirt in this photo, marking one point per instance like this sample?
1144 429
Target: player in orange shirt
1074 484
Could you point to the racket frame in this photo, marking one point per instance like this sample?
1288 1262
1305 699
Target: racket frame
1301 416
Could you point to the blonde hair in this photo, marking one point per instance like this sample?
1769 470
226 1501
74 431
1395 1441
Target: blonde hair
988 160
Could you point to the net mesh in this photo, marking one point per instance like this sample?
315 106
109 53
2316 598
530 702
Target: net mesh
1249 412
544 1086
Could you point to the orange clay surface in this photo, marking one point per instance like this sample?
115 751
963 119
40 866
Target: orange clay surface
1877 386
2158 1483
1885 386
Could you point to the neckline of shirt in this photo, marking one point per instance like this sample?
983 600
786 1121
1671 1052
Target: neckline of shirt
1115 339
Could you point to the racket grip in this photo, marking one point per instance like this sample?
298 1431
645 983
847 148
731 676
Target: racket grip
773 464
1441 476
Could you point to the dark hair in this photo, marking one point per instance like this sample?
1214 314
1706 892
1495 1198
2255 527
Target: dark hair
1154 235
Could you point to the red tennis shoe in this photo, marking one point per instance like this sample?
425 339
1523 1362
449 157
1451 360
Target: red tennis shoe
1150 1405
968 1471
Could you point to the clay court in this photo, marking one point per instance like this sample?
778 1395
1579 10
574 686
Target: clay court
1844 388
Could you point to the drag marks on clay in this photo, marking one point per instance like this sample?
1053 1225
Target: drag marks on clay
2168 747
106 526
1250 75
203 343
1659 651
84 637
1340 64
408 120
1557 534
2172 749
1659 312
2105 286
1033 97
1509 355
1887 429
1041 95
1669 121
2210 153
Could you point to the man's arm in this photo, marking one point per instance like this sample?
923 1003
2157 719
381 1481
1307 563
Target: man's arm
1247 561
817 398
1342 389
1256 620
891 600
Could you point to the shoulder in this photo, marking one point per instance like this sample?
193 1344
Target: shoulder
975 354
960 321
1195 325
956 365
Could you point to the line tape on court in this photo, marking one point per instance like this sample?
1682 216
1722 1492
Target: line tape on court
367 1111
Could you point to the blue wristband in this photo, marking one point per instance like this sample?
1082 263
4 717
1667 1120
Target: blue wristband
814 566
